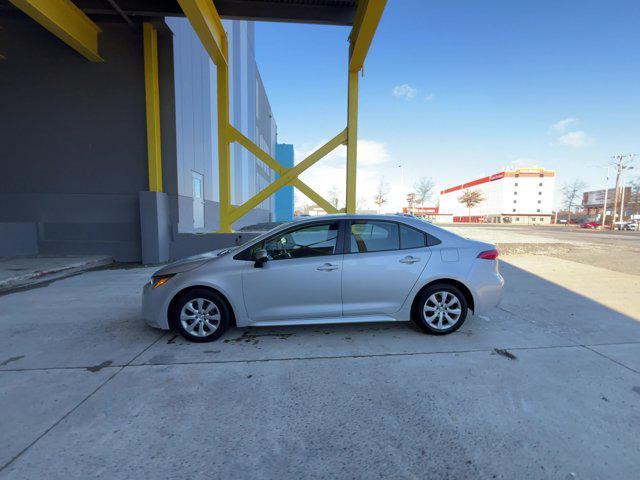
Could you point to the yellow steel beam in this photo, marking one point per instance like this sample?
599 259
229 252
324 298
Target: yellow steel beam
288 176
65 21
352 141
224 153
364 28
206 22
152 90
236 136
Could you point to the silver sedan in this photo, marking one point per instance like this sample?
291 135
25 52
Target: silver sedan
330 269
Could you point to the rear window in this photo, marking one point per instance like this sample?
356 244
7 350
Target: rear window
412 238
372 236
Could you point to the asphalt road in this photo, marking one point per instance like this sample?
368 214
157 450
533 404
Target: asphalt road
614 250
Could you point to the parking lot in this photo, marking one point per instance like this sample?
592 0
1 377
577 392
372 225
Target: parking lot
546 386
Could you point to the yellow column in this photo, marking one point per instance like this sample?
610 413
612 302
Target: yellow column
224 155
151 83
352 141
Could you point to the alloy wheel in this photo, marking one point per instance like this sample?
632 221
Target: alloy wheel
200 317
442 310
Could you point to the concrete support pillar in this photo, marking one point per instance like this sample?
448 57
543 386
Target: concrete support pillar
155 227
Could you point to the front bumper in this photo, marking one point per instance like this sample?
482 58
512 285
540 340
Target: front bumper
154 307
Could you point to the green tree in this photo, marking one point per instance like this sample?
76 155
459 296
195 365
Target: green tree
470 199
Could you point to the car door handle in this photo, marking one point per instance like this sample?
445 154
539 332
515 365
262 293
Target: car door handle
409 259
327 267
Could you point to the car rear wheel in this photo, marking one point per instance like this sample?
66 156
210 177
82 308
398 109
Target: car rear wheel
200 315
441 309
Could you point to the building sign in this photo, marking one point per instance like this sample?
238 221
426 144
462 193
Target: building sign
596 197
496 176
421 211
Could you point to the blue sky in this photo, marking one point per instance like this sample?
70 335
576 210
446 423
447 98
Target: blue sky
478 86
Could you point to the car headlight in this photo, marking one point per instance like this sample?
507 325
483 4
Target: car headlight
160 280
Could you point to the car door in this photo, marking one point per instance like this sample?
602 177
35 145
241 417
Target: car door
301 278
382 263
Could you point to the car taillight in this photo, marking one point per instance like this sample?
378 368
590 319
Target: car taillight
489 254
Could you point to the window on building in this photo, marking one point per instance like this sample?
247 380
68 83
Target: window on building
516 184
539 193
539 201
533 219
515 193
515 201
541 219
540 184
517 175
517 219
541 175
513 210
538 210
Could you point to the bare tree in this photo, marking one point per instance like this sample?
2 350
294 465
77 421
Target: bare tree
382 191
570 194
470 199
361 204
422 190
334 196
634 200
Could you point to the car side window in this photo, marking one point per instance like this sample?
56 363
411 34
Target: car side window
412 238
309 241
373 236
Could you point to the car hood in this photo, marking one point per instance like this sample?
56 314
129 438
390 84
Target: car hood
192 262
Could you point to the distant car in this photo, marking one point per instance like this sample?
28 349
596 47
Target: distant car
633 226
562 221
330 269
590 225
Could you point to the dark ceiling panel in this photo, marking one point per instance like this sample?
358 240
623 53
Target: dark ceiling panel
331 12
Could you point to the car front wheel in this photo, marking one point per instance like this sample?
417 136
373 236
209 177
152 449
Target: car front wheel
441 309
200 315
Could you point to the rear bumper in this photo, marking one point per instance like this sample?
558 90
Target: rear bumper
489 295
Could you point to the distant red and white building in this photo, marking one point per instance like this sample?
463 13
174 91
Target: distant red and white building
522 196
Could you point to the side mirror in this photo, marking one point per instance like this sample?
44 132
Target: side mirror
261 258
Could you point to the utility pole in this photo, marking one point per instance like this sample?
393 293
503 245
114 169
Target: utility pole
619 163
606 191
622 199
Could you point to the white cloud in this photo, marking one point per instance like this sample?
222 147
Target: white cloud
562 125
577 139
405 91
428 97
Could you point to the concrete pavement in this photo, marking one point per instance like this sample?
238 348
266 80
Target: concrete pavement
547 386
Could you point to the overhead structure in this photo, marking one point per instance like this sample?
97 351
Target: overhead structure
73 22
67 22
205 20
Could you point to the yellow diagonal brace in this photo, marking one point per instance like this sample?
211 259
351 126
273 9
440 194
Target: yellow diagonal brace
315 197
204 19
152 96
288 176
364 28
236 136
65 21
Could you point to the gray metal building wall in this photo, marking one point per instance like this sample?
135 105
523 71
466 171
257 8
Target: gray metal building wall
73 139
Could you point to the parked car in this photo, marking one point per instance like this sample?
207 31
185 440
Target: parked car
330 269
632 225
590 225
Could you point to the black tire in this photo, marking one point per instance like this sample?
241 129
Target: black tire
418 314
191 298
